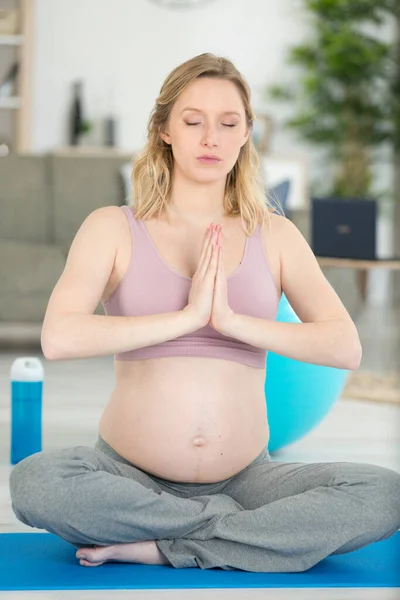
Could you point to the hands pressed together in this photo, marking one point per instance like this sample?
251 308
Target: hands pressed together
208 296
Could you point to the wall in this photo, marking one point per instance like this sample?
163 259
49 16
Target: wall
124 49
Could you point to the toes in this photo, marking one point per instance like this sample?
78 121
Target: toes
86 563
92 556
84 552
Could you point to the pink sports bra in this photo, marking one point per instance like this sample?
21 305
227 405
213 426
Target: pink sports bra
151 286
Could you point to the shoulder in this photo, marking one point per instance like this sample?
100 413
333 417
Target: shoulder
105 226
276 221
275 228
107 214
108 219
282 229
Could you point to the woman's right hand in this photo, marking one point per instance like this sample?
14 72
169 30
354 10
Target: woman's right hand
201 293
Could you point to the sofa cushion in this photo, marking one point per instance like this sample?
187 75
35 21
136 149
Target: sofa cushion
28 274
81 184
25 198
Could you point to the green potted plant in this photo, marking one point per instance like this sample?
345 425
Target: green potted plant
347 96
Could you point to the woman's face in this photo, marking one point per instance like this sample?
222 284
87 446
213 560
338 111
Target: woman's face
208 118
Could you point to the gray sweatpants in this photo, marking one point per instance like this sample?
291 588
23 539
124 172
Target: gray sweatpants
269 517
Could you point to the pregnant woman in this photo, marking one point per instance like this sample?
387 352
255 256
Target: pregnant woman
190 278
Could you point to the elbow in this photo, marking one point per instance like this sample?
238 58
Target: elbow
48 355
58 341
49 349
55 337
354 362
352 355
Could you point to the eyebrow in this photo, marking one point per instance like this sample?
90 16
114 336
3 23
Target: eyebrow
227 112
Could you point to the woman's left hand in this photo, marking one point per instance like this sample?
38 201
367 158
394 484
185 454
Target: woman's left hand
221 311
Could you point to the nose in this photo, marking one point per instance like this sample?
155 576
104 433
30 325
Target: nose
210 136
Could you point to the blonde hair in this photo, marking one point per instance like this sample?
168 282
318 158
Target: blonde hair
152 168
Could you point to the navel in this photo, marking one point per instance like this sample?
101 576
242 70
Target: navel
199 441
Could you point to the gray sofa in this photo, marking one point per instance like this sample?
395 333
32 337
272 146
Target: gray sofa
43 201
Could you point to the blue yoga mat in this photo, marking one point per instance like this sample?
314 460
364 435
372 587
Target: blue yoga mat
43 561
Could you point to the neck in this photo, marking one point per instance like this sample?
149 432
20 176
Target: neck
196 203
194 217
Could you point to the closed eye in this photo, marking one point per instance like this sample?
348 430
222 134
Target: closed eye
224 124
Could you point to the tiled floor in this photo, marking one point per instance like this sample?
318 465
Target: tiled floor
75 393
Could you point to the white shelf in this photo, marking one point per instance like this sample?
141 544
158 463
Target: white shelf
11 40
12 102
16 102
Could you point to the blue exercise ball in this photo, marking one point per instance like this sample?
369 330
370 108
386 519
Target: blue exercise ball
298 395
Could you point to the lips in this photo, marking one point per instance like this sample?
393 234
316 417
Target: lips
209 160
209 156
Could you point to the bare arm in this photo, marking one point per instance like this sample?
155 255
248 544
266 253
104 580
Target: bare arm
326 334
84 336
329 343
70 329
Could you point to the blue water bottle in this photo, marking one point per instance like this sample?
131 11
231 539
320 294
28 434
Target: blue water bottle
26 407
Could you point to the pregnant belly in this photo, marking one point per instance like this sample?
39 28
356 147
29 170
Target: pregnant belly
187 419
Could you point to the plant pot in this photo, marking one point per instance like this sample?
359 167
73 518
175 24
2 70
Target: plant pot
344 227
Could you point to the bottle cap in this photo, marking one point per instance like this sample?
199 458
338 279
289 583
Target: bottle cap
27 368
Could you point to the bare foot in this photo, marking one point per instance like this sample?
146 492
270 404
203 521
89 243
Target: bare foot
146 553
